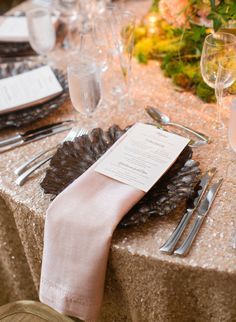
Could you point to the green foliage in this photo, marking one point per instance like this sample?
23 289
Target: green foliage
221 14
144 49
154 7
205 92
179 49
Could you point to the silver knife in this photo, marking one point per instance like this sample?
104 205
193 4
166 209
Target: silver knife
192 204
202 211
23 137
35 137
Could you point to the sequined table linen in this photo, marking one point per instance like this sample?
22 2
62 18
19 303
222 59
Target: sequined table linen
143 285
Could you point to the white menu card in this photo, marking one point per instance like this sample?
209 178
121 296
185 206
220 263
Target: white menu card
14 29
142 156
28 89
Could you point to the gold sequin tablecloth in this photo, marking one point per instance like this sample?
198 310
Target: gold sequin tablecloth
143 285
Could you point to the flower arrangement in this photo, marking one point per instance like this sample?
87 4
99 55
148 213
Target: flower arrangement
174 31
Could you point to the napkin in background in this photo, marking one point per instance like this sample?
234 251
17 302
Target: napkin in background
13 29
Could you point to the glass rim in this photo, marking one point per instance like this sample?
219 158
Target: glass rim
128 14
120 11
233 37
39 9
82 67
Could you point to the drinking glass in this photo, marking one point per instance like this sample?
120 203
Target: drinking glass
122 24
96 43
84 85
226 93
216 47
42 35
68 14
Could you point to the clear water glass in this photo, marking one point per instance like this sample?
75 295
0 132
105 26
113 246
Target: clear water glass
42 34
84 86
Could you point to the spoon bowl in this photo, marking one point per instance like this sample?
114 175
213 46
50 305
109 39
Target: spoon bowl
164 119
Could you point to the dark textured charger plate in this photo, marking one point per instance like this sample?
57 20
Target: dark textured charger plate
22 49
74 158
34 113
11 49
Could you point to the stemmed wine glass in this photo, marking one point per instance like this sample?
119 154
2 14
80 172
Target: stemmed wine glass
216 47
42 34
225 90
226 97
96 43
67 11
122 25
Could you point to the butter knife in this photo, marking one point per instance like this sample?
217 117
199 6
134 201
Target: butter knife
23 137
34 135
192 204
202 211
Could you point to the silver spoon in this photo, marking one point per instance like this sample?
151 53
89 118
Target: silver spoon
165 120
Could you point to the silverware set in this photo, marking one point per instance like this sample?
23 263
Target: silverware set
198 207
25 170
200 204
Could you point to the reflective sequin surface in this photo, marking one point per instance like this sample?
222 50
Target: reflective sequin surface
150 286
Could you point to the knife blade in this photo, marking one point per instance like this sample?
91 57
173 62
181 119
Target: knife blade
202 211
39 136
26 136
192 204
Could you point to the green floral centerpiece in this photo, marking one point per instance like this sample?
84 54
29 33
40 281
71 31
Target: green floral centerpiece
174 31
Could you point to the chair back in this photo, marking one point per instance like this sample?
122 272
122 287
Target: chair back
30 311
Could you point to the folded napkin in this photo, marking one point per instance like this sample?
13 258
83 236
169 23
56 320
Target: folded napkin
13 29
78 232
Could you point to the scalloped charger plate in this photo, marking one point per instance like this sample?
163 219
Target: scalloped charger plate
74 158
30 114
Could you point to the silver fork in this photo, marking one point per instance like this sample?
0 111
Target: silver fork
75 132
70 136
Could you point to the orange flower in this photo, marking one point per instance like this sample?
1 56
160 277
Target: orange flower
175 12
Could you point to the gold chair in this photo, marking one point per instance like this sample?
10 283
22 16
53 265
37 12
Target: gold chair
30 311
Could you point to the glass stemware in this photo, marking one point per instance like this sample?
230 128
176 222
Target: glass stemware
97 45
42 34
216 47
226 93
122 24
84 85
67 11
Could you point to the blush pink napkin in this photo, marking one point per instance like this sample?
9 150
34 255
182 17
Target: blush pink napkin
78 232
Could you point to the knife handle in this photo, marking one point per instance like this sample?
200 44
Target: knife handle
23 177
185 247
24 166
11 146
170 244
12 140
